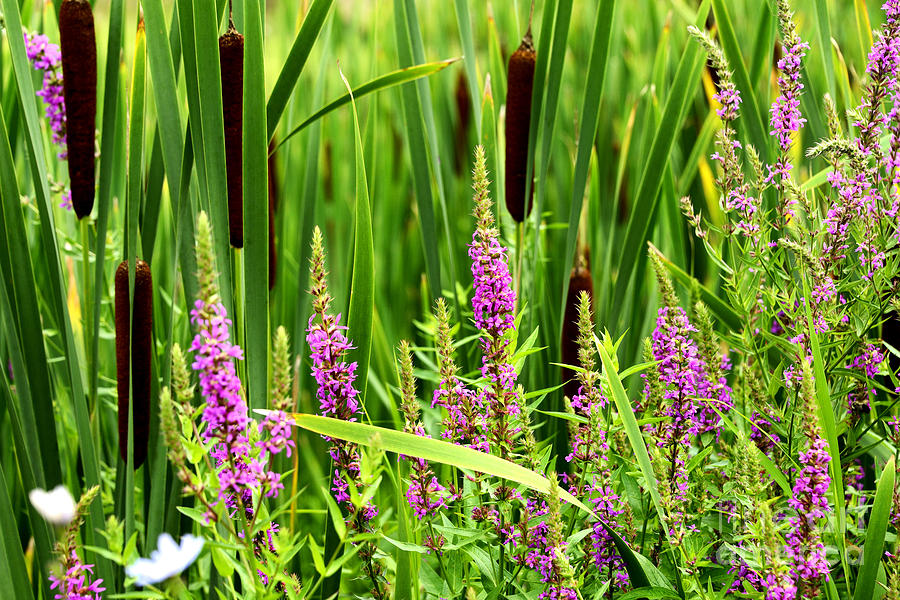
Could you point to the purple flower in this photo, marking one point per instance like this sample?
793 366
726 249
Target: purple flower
869 362
882 67
75 581
786 119
493 304
805 546
225 414
335 390
46 57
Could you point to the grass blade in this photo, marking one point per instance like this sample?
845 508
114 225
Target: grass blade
383 82
430 449
362 287
256 213
876 529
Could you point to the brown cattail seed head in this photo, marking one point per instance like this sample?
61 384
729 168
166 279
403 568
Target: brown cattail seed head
464 112
78 49
520 80
231 59
139 342
579 281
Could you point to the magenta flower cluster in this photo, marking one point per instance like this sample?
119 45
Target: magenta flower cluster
882 69
337 398
786 118
225 415
805 547
75 583
46 57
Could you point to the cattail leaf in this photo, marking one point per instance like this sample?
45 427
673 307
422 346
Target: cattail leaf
12 559
823 28
762 50
876 528
256 208
362 286
646 200
864 33
415 138
590 115
165 96
381 82
309 195
110 130
293 65
753 116
209 118
465 458
28 453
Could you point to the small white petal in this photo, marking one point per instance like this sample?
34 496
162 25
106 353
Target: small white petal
56 506
168 560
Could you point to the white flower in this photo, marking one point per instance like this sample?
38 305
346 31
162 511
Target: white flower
169 559
56 506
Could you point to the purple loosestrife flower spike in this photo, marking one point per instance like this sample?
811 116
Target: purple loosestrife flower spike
225 415
736 192
338 398
786 118
882 69
334 376
805 547
74 579
590 453
553 563
46 57
277 424
464 420
494 304
424 492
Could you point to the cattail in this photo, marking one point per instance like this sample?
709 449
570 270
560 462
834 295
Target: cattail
273 208
79 65
231 58
579 281
464 112
520 79
140 345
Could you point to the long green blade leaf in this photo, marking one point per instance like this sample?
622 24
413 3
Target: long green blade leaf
875 533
